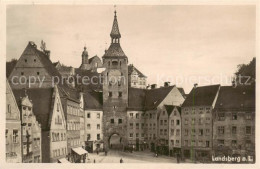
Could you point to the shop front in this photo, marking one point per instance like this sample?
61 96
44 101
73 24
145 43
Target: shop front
79 155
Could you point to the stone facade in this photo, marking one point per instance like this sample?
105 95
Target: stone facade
136 79
13 128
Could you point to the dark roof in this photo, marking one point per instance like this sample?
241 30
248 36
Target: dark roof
239 98
136 98
114 50
155 96
169 109
42 103
90 59
93 100
182 91
87 86
146 99
201 96
131 68
10 66
115 29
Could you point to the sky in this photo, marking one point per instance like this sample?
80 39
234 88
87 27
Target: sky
181 44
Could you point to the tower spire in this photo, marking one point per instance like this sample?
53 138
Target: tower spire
115 34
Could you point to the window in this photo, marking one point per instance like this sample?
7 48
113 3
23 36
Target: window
131 115
131 135
110 94
201 132
161 131
22 73
137 125
248 130
88 126
234 116
142 125
248 116
207 143
193 143
137 135
186 132
186 142
234 130
15 136
221 116
38 73
200 121
98 115
165 131
98 126
120 121
98 136
177 132
9 108
172 122
119 94
178 122
233 143
88 115
34 60
137 115
142 135
193 131
165 122
6 136
25 60
193 121
88 136
112 121
161 122
131 125
200 143
172 131
207 132
186 121
221 142
221 130
248 143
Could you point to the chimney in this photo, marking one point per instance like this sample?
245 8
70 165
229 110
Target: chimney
153 86
195 85
47 53
33 44
167 84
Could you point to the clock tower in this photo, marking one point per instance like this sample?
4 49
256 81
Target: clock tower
115 89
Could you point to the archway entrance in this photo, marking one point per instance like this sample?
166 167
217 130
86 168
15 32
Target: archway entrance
115 142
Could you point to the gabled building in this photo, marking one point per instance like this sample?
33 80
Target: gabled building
12 128
31 131
169 130
234 122
197 122
136 78
35 64
49 113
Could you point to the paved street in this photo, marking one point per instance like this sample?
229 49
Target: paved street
114 156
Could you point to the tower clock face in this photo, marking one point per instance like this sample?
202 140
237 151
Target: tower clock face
114 76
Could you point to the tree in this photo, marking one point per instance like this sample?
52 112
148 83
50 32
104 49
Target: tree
246 72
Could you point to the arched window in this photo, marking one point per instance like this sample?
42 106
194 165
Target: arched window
114 63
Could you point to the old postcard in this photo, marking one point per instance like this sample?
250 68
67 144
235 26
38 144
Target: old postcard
156 84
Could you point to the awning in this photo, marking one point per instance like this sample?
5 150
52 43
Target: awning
79 151
63 160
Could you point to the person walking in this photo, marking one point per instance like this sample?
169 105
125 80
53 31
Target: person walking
121 160
94 160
